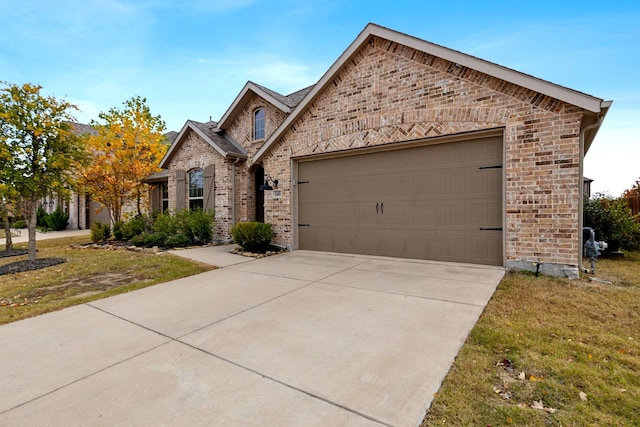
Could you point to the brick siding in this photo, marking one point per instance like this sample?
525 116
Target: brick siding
195 153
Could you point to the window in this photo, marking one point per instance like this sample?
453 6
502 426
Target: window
258 124
196 190
164 190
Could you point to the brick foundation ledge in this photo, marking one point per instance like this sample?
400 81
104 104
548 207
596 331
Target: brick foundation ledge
549 269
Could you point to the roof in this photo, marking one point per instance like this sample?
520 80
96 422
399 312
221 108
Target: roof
595 106
210 133
157 177
83 129
170 137
285 103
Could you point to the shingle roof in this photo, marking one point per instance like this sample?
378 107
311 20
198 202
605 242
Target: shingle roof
83 129
294 98
290 100
221 140
170 137
216 138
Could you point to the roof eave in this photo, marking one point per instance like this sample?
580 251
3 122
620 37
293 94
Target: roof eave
591 135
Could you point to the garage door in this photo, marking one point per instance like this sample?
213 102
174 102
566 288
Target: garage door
438 202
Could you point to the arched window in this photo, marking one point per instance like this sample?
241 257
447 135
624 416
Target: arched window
258 124
196 190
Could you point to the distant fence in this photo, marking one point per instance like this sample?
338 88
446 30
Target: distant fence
634 204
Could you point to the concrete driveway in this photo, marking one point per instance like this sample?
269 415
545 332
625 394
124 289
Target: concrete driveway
301 338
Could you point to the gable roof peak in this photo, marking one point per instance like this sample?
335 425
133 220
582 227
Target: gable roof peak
593 105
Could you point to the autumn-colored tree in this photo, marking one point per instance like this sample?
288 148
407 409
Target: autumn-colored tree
44 153
126 148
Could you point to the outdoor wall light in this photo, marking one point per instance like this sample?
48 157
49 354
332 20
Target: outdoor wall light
266 185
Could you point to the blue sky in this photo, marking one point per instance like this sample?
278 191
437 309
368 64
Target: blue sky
190 58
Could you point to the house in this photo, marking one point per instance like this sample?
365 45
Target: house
82 210
403 148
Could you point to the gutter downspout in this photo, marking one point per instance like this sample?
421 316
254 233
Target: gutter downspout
597 124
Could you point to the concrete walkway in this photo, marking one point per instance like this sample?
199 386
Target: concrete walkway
300 338
24 235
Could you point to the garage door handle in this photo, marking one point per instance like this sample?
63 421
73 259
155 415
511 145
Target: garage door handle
382 208
377 207
490 228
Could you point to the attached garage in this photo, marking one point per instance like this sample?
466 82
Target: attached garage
438 201
405 148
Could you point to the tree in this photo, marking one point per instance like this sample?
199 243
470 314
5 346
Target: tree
126 148
44 152
613 222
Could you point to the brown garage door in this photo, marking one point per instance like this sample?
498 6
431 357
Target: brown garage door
439 202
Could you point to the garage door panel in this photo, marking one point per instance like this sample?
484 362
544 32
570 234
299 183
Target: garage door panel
427 202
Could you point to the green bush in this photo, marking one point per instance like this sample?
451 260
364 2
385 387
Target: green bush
100 232
165 223
57 220
613 222
127 230
21 223
41 217
178 241
117 230
252 236
197 225
138 240
155 239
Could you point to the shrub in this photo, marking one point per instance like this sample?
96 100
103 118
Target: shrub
100 232
41 217
57 220
178 241
197 226
138 240
155 239
21 223
200 226
117 230
613 222
252 236
165 223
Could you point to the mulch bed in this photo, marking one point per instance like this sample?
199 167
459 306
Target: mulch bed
26 265
13 252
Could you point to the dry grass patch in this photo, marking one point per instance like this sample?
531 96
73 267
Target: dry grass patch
550 351
88 274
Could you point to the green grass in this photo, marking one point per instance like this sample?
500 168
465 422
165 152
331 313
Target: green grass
567 337
88 274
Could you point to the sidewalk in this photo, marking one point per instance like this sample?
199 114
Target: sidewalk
43 236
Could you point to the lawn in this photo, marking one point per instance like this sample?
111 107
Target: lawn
88 274
550 351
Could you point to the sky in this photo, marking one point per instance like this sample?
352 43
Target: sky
191 58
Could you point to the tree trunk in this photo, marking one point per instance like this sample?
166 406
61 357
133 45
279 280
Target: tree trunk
8 246
32 210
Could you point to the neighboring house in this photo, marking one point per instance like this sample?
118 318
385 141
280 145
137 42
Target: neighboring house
81 209
403 148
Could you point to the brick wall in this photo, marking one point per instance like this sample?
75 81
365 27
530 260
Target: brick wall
195 153
389 93
241 130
